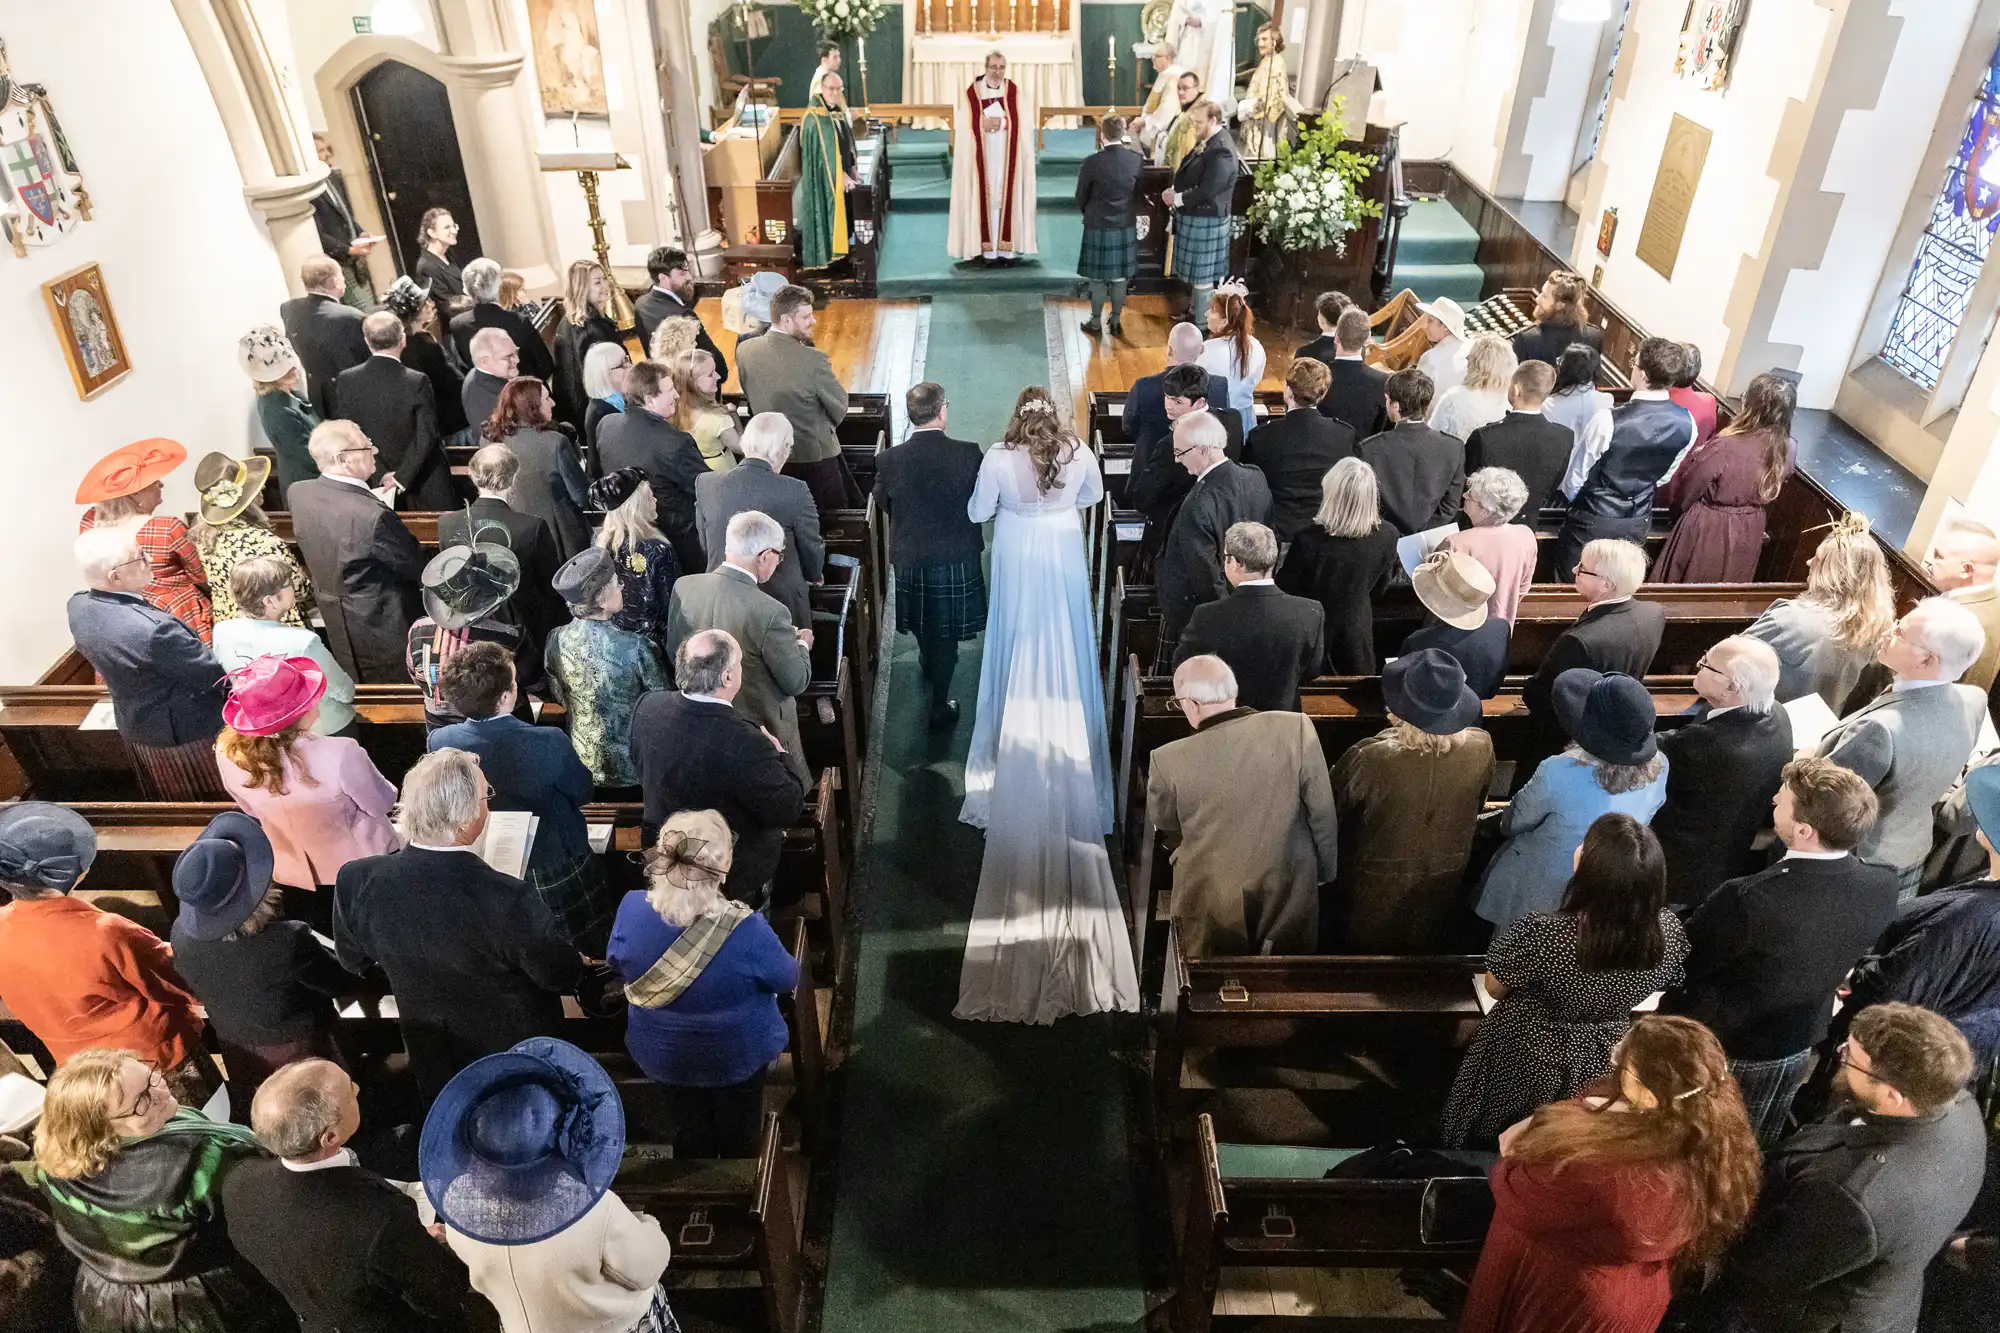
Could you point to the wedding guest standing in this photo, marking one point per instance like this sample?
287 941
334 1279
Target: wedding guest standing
549 482
1295 450
1421 471
494 472
1480 399
396 408
604 368
598 671
699 412
1615 472
1826 636
1408 798
1562 320
1722 488
1526 442
1616 632
1357 392
366 566
1961 565
1106 187
782 371
485 283
437 233
586 322
644 436
231 528
1699 402
1575 401
124 490
1343 559
673 296
264 591
1272 640
1494 497
1232 350
424 337
1444 325
1202 199
925 486
647 566
1189 570
760 484
1455 591
284 412
325 333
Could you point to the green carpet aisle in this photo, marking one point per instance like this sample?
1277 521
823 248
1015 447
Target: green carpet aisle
914 262
1435 256
983 1178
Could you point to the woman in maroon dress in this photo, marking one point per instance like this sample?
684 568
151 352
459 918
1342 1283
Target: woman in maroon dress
1600 1201
1721 488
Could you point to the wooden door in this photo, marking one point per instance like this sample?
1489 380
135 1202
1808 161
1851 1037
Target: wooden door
412 144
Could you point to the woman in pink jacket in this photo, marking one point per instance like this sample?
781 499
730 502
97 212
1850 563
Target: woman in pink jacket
320 798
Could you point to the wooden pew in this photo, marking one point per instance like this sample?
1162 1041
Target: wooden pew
727 1216
1358 1002
1266 1221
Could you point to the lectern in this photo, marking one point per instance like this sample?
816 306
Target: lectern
587 164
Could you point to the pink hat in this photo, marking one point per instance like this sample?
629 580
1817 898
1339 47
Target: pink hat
268 694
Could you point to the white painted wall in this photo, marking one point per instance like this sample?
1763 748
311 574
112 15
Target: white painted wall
318 28
189 268
1420 48
1874 168
1492 66
1555 118
1776 59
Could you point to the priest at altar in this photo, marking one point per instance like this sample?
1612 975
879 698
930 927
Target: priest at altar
993 169
826 170
1163 103
1203 35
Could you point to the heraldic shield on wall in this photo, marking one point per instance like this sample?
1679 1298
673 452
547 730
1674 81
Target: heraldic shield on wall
44 197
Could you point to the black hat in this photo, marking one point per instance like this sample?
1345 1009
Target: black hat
615 488
1427 689
405 299
223 875
463 584
1609 714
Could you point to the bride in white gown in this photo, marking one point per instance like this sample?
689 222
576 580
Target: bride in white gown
1048 936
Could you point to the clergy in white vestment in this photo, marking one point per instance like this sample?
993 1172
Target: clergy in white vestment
1163 103
993 169
1203 34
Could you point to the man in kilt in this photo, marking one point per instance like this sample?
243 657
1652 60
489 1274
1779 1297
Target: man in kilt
1204 186
924 484
1107 186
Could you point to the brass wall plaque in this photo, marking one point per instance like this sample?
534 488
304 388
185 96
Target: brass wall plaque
1673 194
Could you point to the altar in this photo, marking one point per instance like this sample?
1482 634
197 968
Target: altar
1047 66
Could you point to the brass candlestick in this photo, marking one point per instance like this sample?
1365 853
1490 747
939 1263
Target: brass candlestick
1013 17
951 15
992 18
861 59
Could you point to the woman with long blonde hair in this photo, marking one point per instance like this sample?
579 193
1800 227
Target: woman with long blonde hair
1047 936
133 1180
1826 636
698 409
1481 398
586 322
1602 1200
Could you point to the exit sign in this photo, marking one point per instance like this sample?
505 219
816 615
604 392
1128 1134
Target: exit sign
363 23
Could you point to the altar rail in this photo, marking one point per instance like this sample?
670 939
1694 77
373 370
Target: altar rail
1094 114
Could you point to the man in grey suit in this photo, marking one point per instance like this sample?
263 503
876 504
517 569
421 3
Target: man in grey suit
783 372
1911 743
365 565
777 656
756 484
1189 570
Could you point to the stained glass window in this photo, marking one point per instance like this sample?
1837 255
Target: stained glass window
1954 245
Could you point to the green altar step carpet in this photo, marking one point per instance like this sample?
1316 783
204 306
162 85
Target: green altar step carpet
1436 254
984 1181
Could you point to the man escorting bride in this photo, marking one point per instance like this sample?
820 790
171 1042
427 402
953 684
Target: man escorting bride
1048 936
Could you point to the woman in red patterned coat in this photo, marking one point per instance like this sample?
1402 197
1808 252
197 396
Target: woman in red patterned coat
1600 1201
123 490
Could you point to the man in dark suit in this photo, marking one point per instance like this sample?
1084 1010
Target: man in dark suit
1357 391
1855 1206
326 334
695 751
1270 639
1159 483
534 605
1525 442
495 360
757 483
1189 571
1144 416
644 436
1420 471
1723 770
924 485
366 567
1614 633
1107 185
1328 307
340 235
1612 477
1770 948
672 296
371 1267
166 688
474 959
1295 451
482 283
396 408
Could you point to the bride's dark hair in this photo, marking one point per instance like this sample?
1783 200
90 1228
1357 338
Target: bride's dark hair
1038 428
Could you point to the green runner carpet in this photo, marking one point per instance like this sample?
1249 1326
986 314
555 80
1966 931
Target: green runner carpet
983 1168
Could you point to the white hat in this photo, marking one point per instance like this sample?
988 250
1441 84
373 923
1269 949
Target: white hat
747 308
1447 312
266 354
20 1102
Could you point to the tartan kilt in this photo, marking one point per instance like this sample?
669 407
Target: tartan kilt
1201 250
1109 254
577 897
943 601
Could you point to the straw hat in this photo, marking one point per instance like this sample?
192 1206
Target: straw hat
228 486
1454 587
1607 713
1447 312
269 693
129 470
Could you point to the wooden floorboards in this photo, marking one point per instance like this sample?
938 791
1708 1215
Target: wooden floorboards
1090 365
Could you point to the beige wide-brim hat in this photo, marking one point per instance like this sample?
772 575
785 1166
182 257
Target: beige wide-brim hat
1447 312
1454 587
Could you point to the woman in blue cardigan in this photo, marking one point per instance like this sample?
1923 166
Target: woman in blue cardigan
702 974
1612 766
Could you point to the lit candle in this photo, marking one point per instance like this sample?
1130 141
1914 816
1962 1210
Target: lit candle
1112 44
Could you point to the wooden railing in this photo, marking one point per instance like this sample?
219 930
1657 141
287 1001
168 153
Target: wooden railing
1093 114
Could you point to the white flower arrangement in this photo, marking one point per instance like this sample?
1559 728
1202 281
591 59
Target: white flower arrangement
1307 196
844 20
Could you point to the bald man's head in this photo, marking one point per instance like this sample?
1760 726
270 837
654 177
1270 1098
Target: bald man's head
1183 344
306 1111
1964 556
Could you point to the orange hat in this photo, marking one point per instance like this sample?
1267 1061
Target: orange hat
133 468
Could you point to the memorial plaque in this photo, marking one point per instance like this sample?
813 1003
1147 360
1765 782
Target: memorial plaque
1681 161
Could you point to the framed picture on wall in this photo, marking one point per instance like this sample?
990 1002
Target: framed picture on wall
569 63
87 330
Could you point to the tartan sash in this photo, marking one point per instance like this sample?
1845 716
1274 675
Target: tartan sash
686 958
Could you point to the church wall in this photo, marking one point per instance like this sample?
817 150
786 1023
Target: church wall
321 27
1420 48
188 265
1779 63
